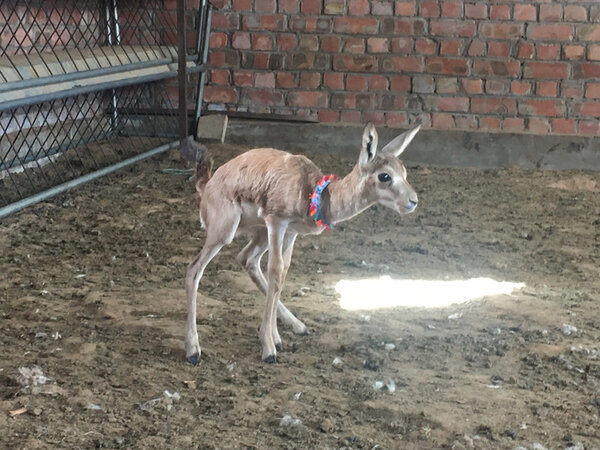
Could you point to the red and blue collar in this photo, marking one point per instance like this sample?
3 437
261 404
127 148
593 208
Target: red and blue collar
315 201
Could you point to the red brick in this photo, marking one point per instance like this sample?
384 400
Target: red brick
264 80
241 41
351 117
542 107
402 26
261 61
513 124
289 6
466 122
453 28
452 47
285 80
520 87
447 66
589 128
328 116
548 51
575 13
550 12
308 42
443 121
355 25
525 12
354 45
447 85
351 63
429 8
308 99
219 77
546 70
477 48
563 126
588 32
378 83
499 49
494 105
476 10
405 8
242 5
555 31
336 7
358 7
501 30
311 6
423 84
592 90
331 44
242 78
425 46
262 42
220 94
225 21
586 70
500 12
300 61
382 8
402 46
343 101
459 104
496 87
588 109
268 6
333 80
570 89
310 80
395 119
262 97
356 83
546 88
504 68
400 83
218 40
376 118
595 14
490 123
287 41
452 9
378 45
272 22
402 64
526 50
539 126
573 51
472 86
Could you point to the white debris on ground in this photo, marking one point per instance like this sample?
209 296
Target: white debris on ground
568 330
31 378
289 421
455 316
389 385
168 399
337 363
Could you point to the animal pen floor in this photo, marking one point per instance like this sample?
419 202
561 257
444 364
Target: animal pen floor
92 292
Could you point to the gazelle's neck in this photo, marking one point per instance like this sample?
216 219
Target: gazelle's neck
346 198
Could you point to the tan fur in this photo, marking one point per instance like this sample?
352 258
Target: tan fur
265 193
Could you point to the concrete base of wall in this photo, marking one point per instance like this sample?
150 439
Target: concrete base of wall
431 147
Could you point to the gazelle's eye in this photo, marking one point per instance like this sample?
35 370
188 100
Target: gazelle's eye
384 178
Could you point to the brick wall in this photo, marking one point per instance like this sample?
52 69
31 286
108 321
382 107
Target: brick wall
525 66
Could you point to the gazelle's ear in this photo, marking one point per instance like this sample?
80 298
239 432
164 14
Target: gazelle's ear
399 144
369 145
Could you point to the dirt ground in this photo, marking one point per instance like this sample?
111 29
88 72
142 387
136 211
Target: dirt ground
92 292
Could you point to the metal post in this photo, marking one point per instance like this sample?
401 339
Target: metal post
205 26
182 65
114 38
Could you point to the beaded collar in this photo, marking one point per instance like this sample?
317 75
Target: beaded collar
315 201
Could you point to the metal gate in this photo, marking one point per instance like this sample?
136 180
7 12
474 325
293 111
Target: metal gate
90 86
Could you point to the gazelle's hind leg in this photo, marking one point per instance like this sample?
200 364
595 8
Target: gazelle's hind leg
218 233
250 258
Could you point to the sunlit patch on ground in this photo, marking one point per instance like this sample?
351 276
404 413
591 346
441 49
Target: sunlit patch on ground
386 292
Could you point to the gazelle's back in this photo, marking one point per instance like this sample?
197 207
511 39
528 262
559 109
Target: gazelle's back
277 182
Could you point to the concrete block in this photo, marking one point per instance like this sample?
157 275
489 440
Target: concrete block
212 127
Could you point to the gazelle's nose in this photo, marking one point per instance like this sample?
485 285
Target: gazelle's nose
412 203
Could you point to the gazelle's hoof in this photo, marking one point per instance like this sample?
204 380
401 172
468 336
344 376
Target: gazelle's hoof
194 359
271 359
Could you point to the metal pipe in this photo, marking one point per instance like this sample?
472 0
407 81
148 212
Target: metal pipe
202 67
182 66
13 207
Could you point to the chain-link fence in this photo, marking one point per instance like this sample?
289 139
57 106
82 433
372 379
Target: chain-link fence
86 85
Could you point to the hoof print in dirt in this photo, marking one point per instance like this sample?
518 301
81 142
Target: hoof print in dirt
194 359
270 359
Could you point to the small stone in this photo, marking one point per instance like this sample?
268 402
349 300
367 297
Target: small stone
327 426
568 330
36 411
389 347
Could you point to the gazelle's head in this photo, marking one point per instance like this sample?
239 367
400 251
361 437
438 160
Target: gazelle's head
383 174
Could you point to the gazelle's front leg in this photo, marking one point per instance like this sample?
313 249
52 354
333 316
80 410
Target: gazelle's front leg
276 229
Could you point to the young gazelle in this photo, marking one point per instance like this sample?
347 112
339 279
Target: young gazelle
274 196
